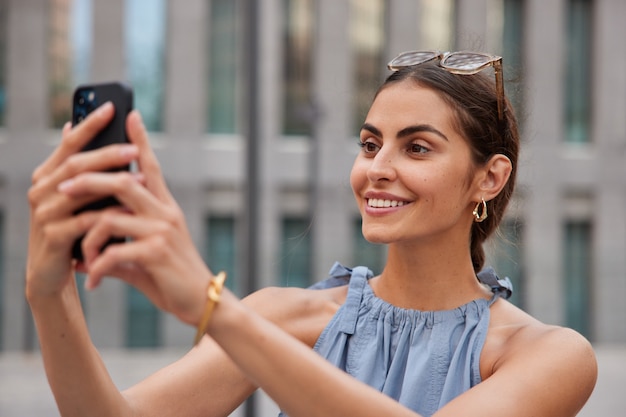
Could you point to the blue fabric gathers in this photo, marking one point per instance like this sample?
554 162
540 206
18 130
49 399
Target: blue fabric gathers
422 359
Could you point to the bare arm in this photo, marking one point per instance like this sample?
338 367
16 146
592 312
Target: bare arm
301 382
74 369
204 382
550 374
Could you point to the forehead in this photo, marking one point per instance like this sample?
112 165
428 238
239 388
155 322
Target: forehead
407 103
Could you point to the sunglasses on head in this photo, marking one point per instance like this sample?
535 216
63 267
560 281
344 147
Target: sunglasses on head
462 62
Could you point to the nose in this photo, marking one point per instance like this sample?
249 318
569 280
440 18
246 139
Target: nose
382 167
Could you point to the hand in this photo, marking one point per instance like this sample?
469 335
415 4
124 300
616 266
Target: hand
160 260
53 228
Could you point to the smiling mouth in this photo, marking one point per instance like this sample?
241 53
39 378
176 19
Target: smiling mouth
380 203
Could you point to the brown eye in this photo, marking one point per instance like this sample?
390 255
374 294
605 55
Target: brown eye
415 148
368 147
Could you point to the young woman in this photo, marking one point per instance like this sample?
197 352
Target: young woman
426 337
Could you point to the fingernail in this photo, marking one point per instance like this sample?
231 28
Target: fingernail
105 108
65 185
128 150
140 120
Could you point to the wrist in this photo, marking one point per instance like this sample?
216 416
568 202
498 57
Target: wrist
35 292
213 296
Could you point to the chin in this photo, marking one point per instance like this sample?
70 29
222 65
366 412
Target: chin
379 236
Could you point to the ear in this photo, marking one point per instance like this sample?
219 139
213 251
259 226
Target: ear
492 177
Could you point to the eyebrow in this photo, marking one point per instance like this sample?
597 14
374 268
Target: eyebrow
407 131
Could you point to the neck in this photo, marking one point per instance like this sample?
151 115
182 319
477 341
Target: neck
428 277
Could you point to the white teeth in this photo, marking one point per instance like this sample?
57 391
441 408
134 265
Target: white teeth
380 203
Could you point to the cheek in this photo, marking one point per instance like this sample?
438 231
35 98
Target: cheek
358 176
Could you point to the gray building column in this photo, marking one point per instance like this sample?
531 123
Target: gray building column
334 84
471 23
542 237
27 118
270 110
186 83
609 131
27 63
403 28
184 114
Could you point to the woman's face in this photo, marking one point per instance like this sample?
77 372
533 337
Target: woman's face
412 178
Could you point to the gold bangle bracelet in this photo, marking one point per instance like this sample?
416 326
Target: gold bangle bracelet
214 292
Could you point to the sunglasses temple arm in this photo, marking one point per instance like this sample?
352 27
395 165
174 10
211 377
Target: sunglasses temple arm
499 89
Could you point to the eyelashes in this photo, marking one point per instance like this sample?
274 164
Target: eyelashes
412 148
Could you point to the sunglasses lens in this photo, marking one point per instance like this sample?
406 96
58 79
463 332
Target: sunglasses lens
466 61
408 59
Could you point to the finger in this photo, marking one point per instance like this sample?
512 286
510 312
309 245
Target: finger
104 159
148 163
119 223
60 236
74 139
67 128
128 188
111 223
118 260
43 191
132 275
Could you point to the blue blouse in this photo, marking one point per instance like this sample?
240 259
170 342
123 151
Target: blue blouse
422 359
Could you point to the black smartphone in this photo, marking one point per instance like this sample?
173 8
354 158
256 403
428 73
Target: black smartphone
86 99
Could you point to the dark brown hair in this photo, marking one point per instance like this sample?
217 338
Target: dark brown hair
474 102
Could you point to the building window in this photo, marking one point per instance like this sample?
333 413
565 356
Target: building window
578 71
365 253
367 35
143 322
508 259
220 249
3 60
145 30
69 54
577 275
298 46
295 253
224 69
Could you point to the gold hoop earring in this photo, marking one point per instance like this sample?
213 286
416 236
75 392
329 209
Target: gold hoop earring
479 218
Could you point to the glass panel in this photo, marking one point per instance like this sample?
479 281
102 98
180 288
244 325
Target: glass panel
512 51
223 54
577 270
145 30
578 71
298 44
366 253
367 33
3 60
295 254
221 252
508 260
143 323
69 54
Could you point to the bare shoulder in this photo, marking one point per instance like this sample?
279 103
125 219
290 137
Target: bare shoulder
304 313
556 359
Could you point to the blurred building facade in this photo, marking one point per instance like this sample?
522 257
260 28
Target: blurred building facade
563 242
